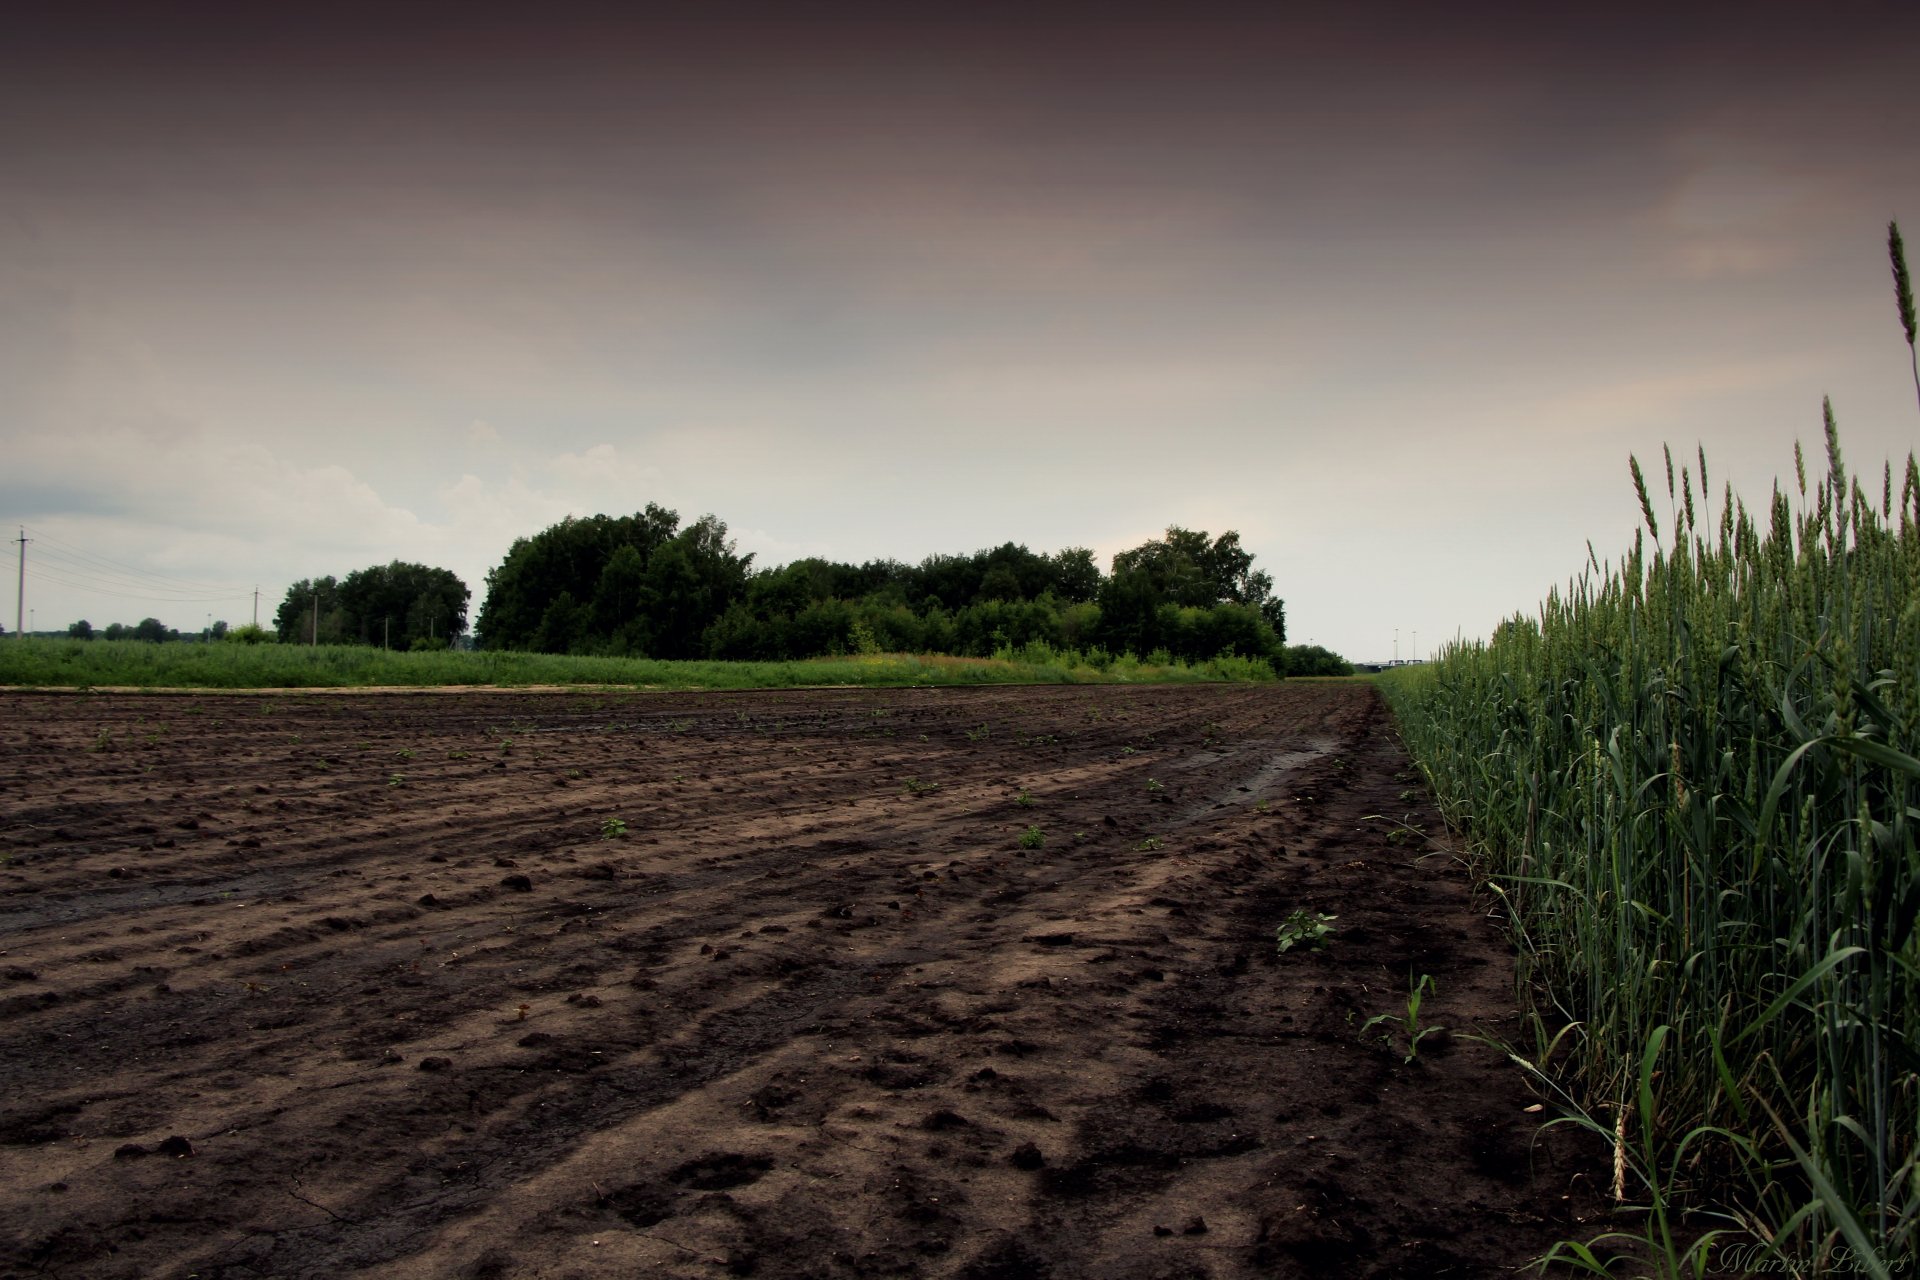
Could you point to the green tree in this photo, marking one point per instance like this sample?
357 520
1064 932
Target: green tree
1188 568
1000 583
1193 595
1130 620
688 584
1076 575
151 629
398 603
81 630
635 584
1314 660
312 613
563 626
569 558
617 601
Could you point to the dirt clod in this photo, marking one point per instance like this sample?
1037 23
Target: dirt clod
1027 1156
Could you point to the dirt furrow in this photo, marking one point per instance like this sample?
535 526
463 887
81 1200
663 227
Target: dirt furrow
970 983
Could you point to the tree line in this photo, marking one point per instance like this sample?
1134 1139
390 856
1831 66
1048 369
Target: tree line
644 586
397 605
149 629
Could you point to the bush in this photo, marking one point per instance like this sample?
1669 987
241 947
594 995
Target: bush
1313 660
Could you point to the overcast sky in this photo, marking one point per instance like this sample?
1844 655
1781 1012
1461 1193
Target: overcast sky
1393 290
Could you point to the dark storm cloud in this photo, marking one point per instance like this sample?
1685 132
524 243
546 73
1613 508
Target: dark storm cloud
1177 89
854 152
1283 121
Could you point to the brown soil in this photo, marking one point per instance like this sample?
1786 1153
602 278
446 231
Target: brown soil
299 986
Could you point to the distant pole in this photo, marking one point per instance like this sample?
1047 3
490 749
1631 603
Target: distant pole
20 599
256 606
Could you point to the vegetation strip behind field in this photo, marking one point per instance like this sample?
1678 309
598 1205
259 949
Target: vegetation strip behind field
1692 782
76 664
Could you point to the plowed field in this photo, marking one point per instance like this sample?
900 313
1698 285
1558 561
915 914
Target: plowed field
562 984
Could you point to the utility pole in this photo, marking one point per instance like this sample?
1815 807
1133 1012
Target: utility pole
256 606
1396 645
20 599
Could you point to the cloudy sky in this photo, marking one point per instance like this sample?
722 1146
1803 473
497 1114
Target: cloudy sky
1393 290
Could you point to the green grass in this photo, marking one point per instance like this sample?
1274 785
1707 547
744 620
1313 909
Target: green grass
1693 782
82 664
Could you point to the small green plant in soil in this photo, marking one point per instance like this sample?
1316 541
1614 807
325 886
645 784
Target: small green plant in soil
1032 838
613 828
397 780
1150 844
1409 1022
915 787
1024 800
1304 928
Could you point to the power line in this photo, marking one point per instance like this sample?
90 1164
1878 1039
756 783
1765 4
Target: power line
59 563
112 567
39 574
77 574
